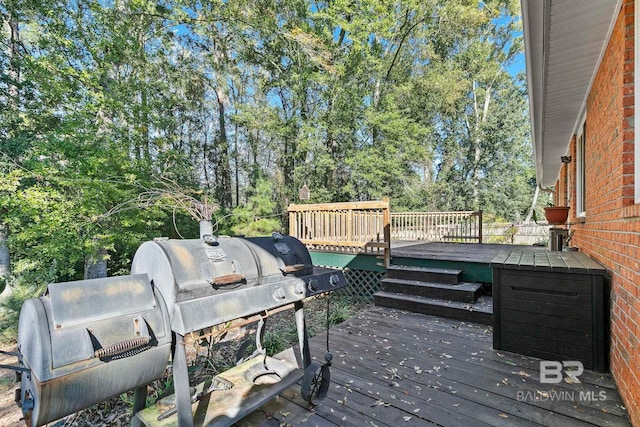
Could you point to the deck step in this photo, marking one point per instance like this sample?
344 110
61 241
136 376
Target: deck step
424 274
480 312
463 292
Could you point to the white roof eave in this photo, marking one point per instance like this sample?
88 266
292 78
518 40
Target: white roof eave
564 44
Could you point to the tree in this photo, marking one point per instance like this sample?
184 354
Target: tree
245 102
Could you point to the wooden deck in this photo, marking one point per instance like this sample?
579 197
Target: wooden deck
461 252
395 368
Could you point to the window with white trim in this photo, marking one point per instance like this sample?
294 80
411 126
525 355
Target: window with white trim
580 171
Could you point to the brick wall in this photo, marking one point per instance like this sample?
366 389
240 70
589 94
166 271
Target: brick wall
610 231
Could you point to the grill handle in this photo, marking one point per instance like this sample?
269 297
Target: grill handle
293 268
139 343
121 347
228 279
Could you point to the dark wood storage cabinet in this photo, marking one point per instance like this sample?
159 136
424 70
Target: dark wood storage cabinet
551 305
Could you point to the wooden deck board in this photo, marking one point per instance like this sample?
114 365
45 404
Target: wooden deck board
394 368
463 252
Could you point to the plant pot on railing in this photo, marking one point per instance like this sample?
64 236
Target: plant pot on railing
556 215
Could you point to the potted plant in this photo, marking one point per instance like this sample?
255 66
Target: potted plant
556 215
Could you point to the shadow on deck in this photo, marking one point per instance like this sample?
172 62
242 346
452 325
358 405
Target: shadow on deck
395 368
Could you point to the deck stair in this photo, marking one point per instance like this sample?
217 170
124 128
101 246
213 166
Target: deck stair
435 291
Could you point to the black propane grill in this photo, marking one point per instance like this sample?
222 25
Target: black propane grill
294 259
87 341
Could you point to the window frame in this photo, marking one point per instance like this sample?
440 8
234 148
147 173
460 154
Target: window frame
581 142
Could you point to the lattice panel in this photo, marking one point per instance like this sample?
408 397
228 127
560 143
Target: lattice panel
362 284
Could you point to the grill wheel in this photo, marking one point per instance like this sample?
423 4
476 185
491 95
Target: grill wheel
315 383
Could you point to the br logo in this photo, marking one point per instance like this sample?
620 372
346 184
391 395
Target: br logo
551 371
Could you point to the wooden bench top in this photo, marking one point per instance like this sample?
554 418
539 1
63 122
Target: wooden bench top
565 261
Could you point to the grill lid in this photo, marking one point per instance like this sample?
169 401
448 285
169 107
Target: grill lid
74 303
294 260
292 255
212 280
75 320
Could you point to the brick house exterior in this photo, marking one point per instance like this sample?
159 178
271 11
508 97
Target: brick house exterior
601 182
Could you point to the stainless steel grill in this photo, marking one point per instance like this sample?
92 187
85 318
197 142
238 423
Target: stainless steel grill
209 281
89 340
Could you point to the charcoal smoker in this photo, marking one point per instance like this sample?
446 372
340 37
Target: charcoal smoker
90 340
87 341
215 280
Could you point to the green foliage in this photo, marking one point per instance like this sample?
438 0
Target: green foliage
256 218
246 102
274 343
340 309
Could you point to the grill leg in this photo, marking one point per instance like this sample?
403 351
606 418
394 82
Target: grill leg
303 339
181 384
139 402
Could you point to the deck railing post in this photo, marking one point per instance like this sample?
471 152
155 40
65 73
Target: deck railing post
293 227
480 226
386 219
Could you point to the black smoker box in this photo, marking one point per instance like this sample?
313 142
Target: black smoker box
87 341
294 259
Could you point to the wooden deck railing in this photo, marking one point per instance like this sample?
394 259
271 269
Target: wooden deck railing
368 227
352 227
463 226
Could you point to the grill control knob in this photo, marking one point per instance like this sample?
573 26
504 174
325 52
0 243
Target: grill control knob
299 288
313 285
278 293
334 280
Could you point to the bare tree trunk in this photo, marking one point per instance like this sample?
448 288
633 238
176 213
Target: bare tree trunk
481 118
11 26
223 189
96 265
5 266
236 157
533 205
